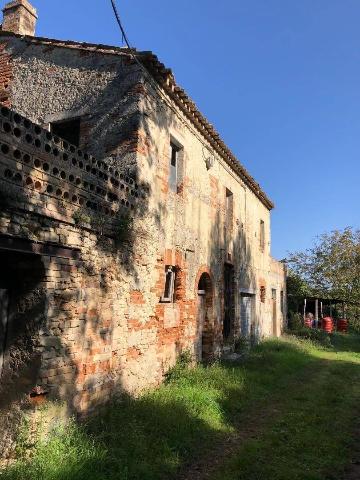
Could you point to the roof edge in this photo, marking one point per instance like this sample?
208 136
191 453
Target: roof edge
165 78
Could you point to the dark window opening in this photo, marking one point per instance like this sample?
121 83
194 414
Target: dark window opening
68 130
229 207
174 166
22 307
274 311
203 284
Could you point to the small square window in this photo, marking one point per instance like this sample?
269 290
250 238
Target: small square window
169 289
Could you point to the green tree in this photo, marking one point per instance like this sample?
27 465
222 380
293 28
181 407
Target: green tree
296 288
331 268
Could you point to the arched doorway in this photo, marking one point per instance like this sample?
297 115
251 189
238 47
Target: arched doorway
205 332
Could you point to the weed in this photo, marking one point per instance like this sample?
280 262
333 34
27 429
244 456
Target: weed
98 222
81 218
23 441
242 345
184 361
296 321
317 336
124 229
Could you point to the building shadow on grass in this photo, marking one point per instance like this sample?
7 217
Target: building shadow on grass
165 432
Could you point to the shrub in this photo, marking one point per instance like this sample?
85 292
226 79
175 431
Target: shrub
295 321
242 345
80 217
317 336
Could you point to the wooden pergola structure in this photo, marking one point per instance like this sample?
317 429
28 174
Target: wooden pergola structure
319 304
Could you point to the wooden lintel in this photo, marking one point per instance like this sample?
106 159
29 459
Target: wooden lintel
24 245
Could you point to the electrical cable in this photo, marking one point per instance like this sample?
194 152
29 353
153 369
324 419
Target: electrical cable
117 16
131 49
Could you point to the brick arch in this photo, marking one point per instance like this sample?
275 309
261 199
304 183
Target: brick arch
204 269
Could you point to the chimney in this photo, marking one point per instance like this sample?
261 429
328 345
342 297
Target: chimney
19 17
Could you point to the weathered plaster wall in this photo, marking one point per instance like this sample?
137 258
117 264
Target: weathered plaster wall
193 219
104 327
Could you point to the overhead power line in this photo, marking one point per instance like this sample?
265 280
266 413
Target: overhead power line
117 16
126 40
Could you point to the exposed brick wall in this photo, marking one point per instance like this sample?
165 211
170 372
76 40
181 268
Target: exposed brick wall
70 313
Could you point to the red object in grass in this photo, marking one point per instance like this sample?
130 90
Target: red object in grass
307 323
342 325
327 324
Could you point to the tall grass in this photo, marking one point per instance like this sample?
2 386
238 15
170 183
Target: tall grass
192 412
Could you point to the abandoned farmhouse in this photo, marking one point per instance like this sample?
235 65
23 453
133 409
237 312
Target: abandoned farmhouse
129 232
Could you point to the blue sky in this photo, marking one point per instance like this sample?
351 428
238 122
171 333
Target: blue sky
279 79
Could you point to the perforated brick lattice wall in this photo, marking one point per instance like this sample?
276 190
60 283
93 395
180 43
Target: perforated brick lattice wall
57 177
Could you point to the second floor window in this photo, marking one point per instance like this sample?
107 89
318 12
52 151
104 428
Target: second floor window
262 235
174 166
229 210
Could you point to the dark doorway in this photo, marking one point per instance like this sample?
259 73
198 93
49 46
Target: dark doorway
4 306
229 304
205 331
22 310
274 312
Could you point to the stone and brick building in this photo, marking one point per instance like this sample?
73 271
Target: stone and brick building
129 232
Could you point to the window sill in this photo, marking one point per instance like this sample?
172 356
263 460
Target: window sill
165 300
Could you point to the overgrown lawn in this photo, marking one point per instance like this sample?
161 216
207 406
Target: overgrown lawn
298 399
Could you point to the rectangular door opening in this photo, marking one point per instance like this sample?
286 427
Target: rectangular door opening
229 303
246 315
274 312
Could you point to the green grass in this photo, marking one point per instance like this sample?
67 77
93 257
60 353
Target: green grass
289 409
